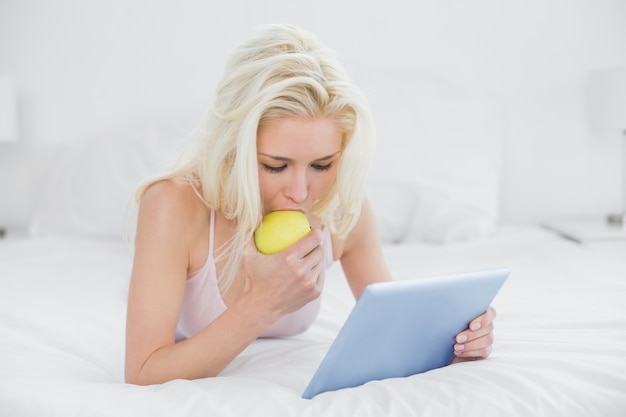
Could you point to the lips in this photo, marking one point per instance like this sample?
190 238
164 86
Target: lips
289 209
285 209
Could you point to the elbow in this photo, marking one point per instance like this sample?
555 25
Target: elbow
137 370
143 377
137 379
134 376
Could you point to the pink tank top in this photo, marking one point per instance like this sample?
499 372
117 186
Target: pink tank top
203 303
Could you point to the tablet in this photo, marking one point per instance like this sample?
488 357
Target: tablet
402 328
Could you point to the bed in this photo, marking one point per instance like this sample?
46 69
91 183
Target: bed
560 332
559 350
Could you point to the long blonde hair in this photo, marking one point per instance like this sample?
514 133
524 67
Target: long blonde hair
281 71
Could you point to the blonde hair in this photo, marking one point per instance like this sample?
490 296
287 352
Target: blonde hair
281 71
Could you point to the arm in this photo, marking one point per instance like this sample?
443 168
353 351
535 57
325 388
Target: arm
361 257
363 263
158 280
163 249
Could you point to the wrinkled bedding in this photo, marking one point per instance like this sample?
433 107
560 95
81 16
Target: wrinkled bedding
560 338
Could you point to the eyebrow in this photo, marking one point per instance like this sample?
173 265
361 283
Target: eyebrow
285 159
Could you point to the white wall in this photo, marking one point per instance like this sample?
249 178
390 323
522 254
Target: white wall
82 67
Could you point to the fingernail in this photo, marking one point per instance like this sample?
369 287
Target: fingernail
459 347
475 326
461 338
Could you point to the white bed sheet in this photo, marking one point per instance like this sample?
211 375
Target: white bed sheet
560 339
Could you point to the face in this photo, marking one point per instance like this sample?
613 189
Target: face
298 160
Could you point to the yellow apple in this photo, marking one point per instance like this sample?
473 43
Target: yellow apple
279 230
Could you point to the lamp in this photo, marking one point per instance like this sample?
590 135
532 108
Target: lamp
607 114
8 111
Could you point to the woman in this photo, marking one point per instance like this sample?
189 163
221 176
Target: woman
288 131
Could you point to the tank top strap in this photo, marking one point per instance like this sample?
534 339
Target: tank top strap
212 234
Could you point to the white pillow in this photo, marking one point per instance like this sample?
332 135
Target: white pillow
90 190
442 143
393 203
435 176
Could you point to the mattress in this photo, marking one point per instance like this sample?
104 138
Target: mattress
560 338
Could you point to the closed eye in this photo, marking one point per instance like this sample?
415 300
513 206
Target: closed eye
273 169
322 167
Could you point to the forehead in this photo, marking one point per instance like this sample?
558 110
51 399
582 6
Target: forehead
317 135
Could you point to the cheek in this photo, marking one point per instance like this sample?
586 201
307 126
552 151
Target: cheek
265 186
323 182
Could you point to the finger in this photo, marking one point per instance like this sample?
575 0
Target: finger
308 262
315 283
481 353
321 278
306 245
480 322
479 348
307 269
468 335
475 337
484 319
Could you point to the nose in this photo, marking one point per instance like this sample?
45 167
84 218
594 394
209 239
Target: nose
297 187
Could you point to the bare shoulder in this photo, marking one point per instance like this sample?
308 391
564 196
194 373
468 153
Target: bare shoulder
364 232
172 200
171 209
172 194
361 253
